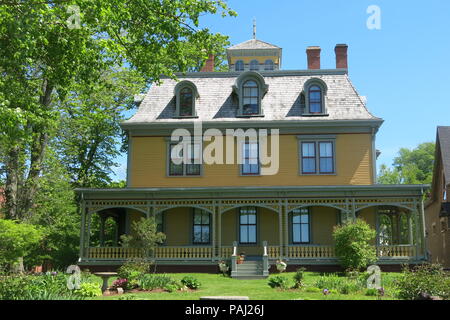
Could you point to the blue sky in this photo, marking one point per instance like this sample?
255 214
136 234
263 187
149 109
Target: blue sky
403 69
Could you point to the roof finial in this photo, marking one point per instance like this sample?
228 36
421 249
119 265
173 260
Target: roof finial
254 28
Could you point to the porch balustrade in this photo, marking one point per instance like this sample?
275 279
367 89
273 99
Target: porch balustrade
273 252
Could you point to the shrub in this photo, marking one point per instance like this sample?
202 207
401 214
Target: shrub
191 282
132 270
331 281
348 287
278 282
173 286
299 277
89 289
36 287
154 281
120 283
353 246
372 292
424 279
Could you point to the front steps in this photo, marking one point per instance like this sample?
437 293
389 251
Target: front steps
250 270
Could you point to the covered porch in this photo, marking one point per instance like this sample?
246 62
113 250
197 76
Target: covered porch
204 226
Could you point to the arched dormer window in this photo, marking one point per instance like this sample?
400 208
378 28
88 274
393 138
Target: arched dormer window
239 65
250 88
268 66
254 65
185 95
250 105
315 92
315 99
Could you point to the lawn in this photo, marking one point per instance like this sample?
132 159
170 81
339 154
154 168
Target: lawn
218 285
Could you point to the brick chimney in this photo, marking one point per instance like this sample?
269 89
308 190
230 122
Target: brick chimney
341 56
209 64
313 54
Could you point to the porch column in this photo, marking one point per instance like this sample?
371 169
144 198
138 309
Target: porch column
214 253
410 229
219 231
286 230
280 228
116 235
422 229
83 229
88 237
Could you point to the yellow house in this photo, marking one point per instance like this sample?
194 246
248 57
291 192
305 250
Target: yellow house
256 160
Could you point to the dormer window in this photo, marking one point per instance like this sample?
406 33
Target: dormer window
268 66
313 98
239 66
250 89
186 102
254 65
250 98
185 97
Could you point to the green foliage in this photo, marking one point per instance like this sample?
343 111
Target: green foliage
36 287
191 282
353 244
331 281
313 290
144 237
89 289
372 292
278 282
410 166
17 240
423 279
55 210
129 297
299 277
133 270
154 281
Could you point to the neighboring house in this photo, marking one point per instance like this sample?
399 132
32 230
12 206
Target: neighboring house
213 212
438 207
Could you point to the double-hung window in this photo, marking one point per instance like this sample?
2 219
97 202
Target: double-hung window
250 159
184 160
317 156
300 224
247 225
201 232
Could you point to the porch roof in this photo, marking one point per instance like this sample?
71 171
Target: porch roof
256 192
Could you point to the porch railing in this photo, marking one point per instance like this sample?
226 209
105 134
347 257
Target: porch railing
273 252
312 252
119 253
396 251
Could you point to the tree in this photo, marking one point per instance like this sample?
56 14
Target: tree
353 244
145 237
410 166
45 56
17 240
89 126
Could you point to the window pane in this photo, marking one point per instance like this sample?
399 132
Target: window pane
254 65
304 218
252 234
252 218
326 165
308 149
186 102
244 218
205 234
295 218
197 217
205 218
175 169
197 234
309 165
239 66
315 107
244 234
268 65
305 233
326 149
296 233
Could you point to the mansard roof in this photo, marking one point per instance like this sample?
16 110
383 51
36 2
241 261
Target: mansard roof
216 101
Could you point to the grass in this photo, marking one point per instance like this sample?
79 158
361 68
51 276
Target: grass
218 285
